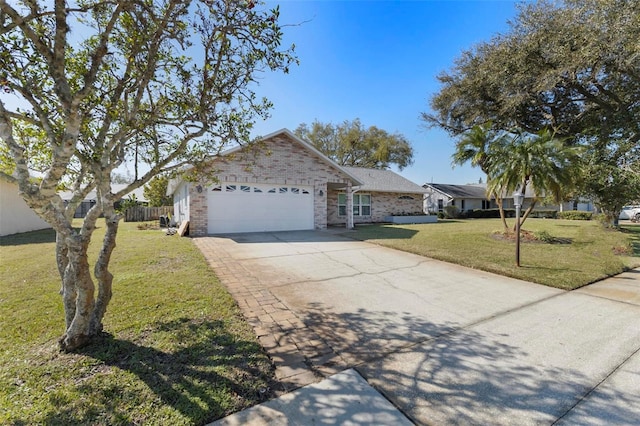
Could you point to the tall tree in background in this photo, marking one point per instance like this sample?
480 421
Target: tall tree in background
570 66
351 144
614 177
89 85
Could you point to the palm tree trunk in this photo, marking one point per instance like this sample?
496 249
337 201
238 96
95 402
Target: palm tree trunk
501 210
528 211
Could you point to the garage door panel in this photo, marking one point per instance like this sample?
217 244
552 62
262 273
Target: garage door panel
259 207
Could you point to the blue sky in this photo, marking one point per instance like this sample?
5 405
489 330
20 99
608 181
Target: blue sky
378 61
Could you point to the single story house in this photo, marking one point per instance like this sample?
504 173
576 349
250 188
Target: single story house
283 183
464 197
15 215
474 197
90 200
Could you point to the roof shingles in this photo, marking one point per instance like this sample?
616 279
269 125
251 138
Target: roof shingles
376 180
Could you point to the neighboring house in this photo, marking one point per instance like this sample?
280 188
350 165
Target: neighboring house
284 183
474 197
90 200
464 197
15 215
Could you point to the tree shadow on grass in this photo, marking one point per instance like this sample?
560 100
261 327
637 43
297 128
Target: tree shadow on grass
634 234
437 373
33 237
383 232
209 374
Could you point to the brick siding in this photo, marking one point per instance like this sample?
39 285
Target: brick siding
278 160
382 204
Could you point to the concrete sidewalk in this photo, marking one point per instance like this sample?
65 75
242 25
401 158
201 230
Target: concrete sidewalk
343 399
444 344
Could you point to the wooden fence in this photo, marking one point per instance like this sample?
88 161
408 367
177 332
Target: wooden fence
144 214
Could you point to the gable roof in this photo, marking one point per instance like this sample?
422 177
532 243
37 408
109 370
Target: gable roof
460 191
175 182
478 190
376 180
305 145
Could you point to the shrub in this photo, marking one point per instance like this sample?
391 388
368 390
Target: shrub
575 215
544 214
451 212
544 236
440 215
484 214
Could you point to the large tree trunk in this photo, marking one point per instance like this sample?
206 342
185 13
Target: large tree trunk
84 309
612 218
103 276
77 295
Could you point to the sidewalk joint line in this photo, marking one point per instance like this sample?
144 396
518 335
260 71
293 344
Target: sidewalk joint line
593 389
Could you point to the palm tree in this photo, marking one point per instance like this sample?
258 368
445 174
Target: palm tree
539 161
476 146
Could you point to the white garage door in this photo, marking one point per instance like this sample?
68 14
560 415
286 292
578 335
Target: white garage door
235 207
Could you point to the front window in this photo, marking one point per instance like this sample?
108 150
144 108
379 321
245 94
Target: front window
361 204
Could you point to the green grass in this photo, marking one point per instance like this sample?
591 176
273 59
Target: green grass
582 252
177 352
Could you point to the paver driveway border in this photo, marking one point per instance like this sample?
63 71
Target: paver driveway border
300 355
303 356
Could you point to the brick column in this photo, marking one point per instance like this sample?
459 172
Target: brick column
349 194
198 210
320 205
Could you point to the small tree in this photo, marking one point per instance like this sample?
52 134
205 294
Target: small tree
153 83
540 162
476 146
156 191
351 144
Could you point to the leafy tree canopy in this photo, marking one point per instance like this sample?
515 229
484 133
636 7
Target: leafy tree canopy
569 66
156 191
89 85
352 144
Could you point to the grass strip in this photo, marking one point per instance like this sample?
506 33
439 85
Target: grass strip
575 253
178 351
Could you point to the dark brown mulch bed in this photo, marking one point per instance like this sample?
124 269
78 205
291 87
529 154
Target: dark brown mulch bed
528 237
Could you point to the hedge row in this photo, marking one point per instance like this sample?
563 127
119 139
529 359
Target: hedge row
575 215
511 213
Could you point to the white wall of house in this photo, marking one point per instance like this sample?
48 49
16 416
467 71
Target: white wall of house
181 203
15 215
435 201
467 204
581 205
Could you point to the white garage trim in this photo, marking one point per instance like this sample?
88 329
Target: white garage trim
258 207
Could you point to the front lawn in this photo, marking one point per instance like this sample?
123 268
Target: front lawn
581 252
178 351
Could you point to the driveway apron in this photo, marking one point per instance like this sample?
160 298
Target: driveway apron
445 344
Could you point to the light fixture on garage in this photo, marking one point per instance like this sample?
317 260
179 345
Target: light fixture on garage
321 193
199 189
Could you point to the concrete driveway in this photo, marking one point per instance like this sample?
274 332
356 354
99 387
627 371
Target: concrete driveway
445 344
